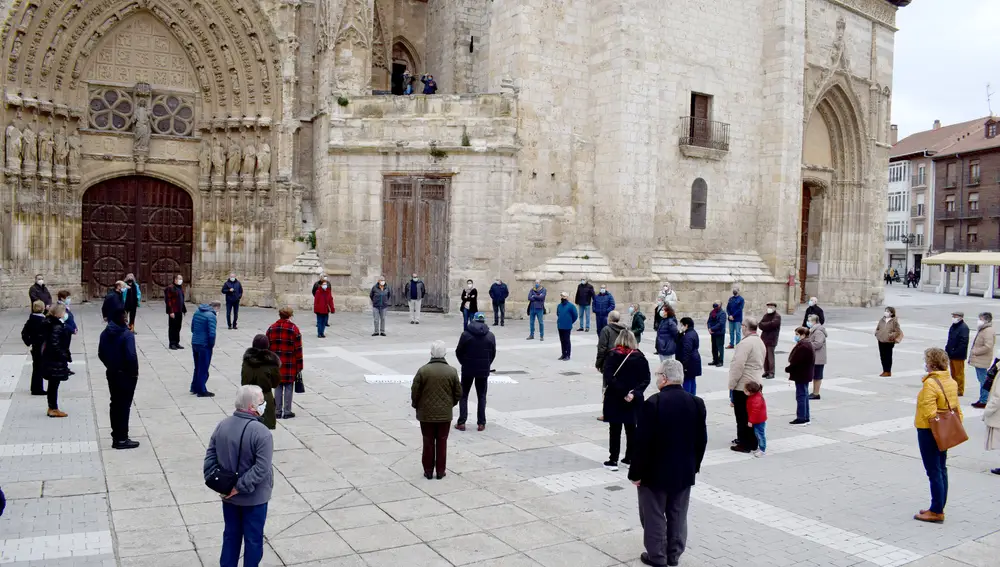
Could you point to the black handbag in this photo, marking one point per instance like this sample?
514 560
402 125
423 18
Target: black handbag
990 375
300 387
221 479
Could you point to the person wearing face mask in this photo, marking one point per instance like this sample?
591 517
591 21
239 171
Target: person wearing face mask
667 334
817 339
638 321
669 295
63 298
770 330
735 310
322 278
117 351
499 293
323 307
717 333
470 303
415 293
285 340
583 300
981 354
56 357
566 315
114 300
173 297
39 292
536 310
688 354
203 325
381 297
888 333
241 443
670 443
133 297
957 348
232 290
33 334
801 362
604 303
814 309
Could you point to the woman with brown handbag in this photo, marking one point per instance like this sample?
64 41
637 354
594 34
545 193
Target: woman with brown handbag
938 396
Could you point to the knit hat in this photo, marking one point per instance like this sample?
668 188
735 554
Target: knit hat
260 342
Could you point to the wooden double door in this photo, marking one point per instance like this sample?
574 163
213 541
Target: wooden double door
136 225
415 230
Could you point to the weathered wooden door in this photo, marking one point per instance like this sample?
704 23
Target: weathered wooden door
415 237
139 225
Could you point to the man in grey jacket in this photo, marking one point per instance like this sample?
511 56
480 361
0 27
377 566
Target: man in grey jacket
381 297
241 443
747 366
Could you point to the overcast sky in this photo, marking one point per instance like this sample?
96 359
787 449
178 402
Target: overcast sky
945 53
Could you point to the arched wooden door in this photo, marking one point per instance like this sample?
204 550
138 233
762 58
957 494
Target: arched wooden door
136 224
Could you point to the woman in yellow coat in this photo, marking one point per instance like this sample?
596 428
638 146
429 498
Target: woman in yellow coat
939 392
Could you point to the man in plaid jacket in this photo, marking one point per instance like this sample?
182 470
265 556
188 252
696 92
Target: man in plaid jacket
286 342
173 296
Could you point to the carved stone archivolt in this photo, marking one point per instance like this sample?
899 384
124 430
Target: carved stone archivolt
381 54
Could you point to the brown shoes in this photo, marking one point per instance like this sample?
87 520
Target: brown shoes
460 426
884 374
56 413
481 427
928 516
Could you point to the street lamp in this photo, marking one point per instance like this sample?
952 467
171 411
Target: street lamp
907 239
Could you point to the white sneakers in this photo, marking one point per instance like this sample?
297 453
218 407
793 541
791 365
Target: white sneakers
758 453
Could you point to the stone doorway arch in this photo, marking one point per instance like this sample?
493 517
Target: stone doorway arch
404 59
135 224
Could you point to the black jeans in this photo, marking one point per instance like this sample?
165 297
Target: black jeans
122 390
499 309
463 404
232 308
564 341
435 451
769 360
885 353
53 394
615 443
718 348
744 433
174 328
37 386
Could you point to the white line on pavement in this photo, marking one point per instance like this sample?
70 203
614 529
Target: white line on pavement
899 424
407 379
859 546
29 449
556 412
48 548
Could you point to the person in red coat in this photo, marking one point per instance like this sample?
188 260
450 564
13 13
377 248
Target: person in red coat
757 412
286 342
323 307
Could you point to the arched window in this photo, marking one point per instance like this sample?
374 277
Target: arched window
699 203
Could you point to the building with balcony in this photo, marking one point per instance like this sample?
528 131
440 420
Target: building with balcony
563 139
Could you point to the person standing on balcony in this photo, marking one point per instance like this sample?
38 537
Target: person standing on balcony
430 85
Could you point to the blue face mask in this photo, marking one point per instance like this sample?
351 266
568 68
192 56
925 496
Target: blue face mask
797 338
809 324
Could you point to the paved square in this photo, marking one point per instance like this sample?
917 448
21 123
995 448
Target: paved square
528 491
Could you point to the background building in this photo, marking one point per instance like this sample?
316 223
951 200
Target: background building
585 137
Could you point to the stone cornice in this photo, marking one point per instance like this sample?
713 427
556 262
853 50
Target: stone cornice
879 11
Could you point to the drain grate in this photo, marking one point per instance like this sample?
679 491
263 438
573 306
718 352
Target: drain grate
614 488
569 373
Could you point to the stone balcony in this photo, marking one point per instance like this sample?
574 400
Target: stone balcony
450 123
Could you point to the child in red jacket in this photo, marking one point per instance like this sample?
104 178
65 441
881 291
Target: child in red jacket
757 410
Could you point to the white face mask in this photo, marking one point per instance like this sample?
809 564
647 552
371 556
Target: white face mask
583 282
64 318
261 408
40 282
179 282
888 315
956 320
631 309
497 282
414 278
232 278
66 302
980 323
468 285
604 290
381 282
811 303
324 286
770 310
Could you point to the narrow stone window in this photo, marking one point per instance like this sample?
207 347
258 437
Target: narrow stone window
699 203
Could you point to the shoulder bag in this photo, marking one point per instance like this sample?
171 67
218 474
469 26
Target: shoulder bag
300 386
947 426
991 374
221 479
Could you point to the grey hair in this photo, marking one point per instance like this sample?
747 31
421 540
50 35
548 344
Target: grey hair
248 396
614 317
751 323
626 339
120 284
215 304
986 316
672 370
813 318
438 349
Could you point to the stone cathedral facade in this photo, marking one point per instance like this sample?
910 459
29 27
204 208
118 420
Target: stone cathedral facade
702 142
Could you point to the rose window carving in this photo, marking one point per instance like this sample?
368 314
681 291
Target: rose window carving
172 115
110 109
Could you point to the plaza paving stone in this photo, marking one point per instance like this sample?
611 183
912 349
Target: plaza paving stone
527 491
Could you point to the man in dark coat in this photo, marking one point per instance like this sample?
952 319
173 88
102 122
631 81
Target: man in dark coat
114 301
117 351
475 352
717 332
39 292
232 289
499 293
56 357
584 297
814 309
173 296
958 348
770 330
33 334
672 436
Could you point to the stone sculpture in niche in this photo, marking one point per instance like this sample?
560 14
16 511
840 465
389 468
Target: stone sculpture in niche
30 150
13 148
45 151
249 158
74 155
205 158
142 130
61 151
234 159
264 161
218 159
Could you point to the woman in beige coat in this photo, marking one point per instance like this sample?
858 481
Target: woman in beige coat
981 354
991 417
817 337
887 333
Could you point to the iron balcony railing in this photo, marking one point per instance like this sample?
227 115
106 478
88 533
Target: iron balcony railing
918 211
704 133
918 181
944 214
916 242
969 246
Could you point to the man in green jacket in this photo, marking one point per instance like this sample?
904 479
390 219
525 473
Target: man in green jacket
434 392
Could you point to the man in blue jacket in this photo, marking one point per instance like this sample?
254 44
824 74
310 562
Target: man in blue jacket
958 348
604 303
735 310
202 342
117 351
232 289
499 293
536 310
566 315
717 331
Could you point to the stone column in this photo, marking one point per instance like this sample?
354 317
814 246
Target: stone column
991 284
966 280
